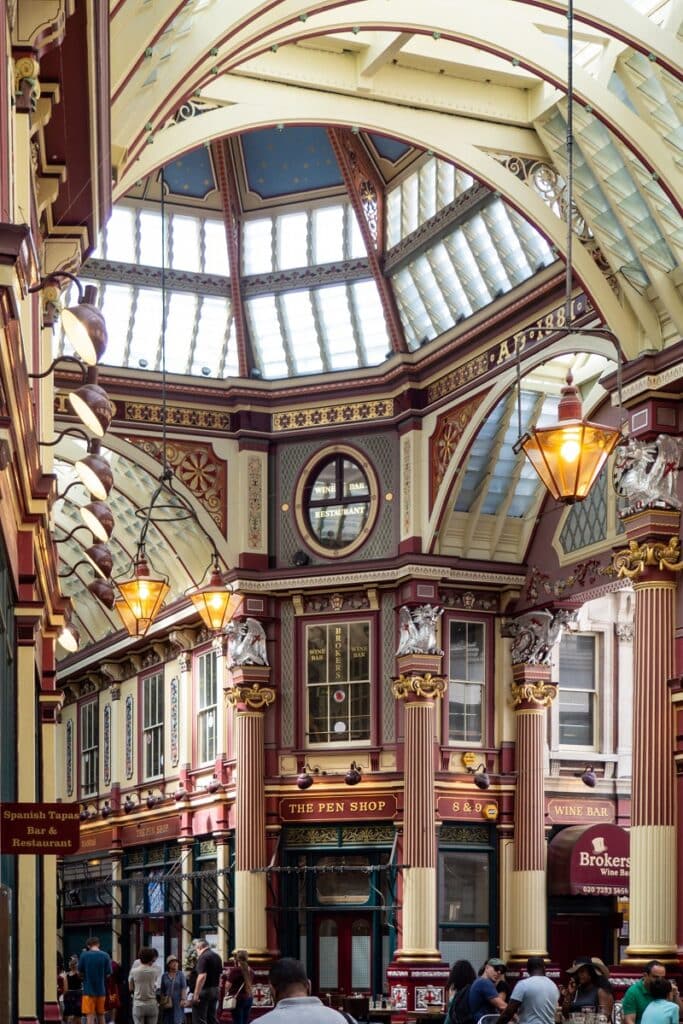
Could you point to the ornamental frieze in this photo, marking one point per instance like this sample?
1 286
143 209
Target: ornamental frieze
198 468
468 600
177 416
334 415
505 351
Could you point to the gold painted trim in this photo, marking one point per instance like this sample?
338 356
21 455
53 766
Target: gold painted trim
428 686
633 560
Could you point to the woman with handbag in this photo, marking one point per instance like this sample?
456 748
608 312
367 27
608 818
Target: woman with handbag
172 993
239 995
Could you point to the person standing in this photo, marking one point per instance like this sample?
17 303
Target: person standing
205 997
94 966
534 999
142 982
292 993
72 992
484 997
173 992
240 984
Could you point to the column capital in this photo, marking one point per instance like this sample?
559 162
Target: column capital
253 696
413 685
532 688
633 561
250 689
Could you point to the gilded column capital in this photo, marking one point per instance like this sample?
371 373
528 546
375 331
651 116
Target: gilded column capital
532 695
632 561
250 695
428 686
531 688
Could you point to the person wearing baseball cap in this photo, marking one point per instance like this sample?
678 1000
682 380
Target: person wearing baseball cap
484 996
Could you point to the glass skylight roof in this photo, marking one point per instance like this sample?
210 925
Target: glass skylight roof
311 304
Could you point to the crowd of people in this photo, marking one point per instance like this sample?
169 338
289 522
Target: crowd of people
90 988
536 999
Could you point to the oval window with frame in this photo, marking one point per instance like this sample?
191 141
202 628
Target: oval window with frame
336 502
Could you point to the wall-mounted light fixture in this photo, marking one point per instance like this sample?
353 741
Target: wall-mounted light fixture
304 779
480 776
353 775
129 804
104 592
588 776
153 799
69 638
89 402
84 325
107 809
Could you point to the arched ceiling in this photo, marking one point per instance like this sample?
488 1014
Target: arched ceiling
477 84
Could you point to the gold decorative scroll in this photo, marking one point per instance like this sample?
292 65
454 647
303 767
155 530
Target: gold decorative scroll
634 559
428 686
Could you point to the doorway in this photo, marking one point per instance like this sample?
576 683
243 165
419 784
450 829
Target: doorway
343 953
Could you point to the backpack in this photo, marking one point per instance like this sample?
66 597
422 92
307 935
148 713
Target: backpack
459 1010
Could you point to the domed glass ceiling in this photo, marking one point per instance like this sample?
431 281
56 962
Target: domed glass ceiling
309 293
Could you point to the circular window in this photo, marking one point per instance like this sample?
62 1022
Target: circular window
336 502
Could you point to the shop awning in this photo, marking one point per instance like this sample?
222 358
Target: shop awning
589 860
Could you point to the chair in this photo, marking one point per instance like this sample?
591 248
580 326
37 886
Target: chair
358 1006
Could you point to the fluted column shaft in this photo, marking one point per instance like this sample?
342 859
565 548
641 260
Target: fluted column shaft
250 697
532 694
653 816
250 832
420 693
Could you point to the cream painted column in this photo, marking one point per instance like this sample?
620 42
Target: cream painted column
117 903
532 694
25 899
420 687
49 704
250 695
652 563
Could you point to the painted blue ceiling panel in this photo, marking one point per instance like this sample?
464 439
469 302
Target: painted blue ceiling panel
279 162
191 175
390 149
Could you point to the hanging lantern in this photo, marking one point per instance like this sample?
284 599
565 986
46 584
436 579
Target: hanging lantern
568 457
213 601
141 598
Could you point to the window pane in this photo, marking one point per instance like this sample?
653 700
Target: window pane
576 718
577 661
467 675
338 662
464 888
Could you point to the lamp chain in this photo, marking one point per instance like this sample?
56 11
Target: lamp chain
570 158
164 462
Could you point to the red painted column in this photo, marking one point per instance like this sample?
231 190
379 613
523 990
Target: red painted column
652 561
418 971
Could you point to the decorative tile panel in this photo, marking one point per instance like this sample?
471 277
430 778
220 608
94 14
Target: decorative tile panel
450 427
255 503
175 744
198 468
106 751
129 736
69 758
287 674
388 669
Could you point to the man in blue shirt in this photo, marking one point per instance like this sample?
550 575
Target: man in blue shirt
484 996
94 966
